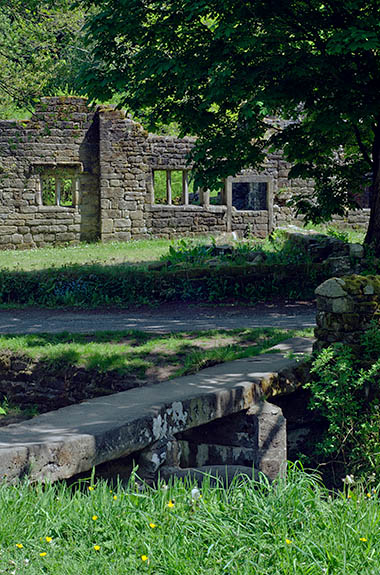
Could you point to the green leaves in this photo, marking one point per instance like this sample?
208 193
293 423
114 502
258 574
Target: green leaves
40 50
345 390
353 40
218 68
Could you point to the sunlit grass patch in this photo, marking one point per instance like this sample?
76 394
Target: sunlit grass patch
126 351
133 252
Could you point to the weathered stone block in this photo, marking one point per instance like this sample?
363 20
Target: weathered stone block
17 238
345 318
332 288
107 226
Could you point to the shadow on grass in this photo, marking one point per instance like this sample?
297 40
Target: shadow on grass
129 351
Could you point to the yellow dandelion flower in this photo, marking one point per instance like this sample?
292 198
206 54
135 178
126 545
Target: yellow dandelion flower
349 496
170 504
43 554
48 539
91 488
115 497
94 517
144 558
97 547
369 495
19 545
288 541
152 525
363 539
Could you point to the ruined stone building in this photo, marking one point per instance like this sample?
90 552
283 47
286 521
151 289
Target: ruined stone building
73 174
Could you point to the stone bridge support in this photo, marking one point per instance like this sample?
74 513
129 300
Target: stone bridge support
250 441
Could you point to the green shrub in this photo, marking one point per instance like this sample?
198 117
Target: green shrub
342 235
277 249
346 390
120 285
188 251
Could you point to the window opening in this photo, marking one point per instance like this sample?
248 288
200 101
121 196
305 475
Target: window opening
250 195
364 197
59 191
66 197
48 191
216 197
174 187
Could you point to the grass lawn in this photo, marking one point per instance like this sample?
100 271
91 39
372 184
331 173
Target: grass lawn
133 252
289 527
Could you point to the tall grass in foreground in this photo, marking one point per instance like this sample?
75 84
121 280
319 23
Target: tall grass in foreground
289 527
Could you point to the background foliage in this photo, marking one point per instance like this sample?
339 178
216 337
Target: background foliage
41 49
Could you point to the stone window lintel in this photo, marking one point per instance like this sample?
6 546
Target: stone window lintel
54 167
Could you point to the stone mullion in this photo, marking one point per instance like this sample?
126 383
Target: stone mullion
185 187
169 187
58 185
39 190
75 191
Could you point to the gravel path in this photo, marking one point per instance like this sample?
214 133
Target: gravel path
163 319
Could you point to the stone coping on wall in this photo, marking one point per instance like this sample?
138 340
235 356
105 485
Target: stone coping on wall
209 208
185 207
235 211
61 209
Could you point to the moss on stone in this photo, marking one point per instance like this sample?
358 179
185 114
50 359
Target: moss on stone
354 285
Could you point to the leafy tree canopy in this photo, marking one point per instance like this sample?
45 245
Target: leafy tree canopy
40 50
220 68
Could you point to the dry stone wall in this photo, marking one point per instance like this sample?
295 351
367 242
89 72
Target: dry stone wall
110 160
346 307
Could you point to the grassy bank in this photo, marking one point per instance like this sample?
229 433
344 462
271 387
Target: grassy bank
291 527
153 271
122 286
141 253
47 371
121 351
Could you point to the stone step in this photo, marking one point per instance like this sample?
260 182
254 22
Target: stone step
73 439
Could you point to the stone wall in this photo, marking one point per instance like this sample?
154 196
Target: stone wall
168 221
110 160
345 308
61 136
128 156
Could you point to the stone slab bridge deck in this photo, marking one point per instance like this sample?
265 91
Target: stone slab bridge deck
74 439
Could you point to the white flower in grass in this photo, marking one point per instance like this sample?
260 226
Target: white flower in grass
195 494
348 480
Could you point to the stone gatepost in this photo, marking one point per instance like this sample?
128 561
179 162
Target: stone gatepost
345 308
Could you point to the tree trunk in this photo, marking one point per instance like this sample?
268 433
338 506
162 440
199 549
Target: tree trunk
373 232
